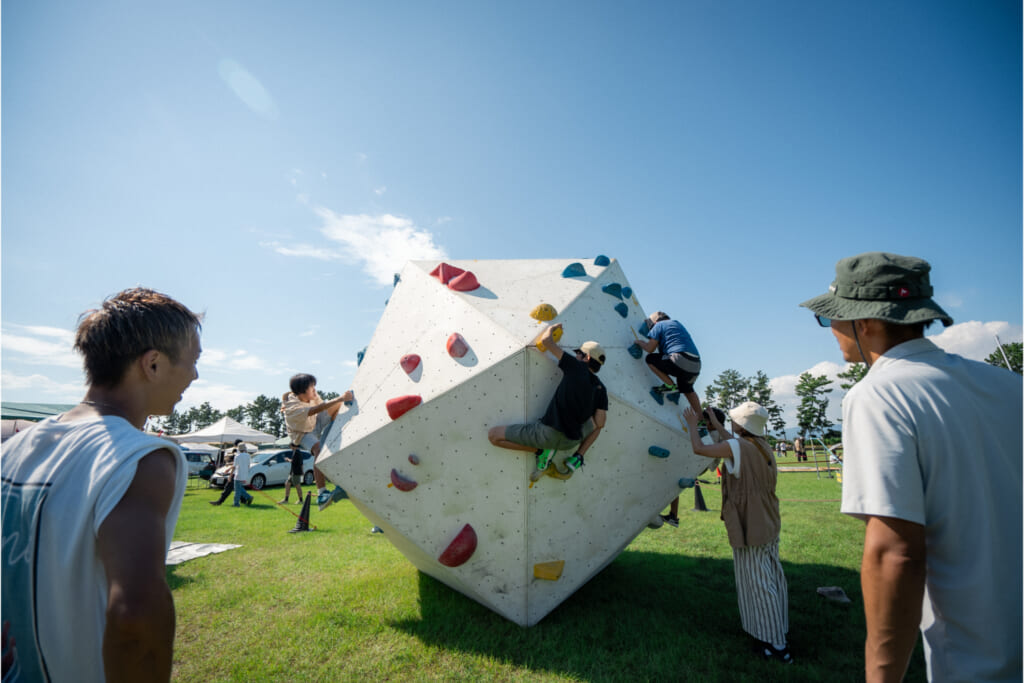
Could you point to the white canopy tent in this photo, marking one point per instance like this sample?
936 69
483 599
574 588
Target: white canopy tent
224 430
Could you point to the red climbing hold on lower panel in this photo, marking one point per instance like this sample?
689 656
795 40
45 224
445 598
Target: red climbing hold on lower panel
461 549
409 362
445 272
402 483
457 346
401 405
464 283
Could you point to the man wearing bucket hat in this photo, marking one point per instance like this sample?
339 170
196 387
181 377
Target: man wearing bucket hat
750 510
576 414
933 466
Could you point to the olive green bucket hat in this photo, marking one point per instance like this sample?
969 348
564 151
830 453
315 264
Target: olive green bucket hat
879 285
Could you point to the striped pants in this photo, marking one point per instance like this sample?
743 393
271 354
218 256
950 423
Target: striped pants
761 592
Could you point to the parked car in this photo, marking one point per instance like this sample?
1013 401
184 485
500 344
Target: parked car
269 468
199 461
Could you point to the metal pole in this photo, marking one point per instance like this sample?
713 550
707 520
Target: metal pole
999 345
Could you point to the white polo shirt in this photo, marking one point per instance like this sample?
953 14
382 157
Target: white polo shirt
935 439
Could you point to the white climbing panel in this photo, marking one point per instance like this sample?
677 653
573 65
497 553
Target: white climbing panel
464 511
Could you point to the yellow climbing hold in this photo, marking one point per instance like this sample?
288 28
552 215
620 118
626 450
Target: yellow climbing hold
549 571
556 334
544 312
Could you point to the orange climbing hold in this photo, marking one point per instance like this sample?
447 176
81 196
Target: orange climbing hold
544 312
466 282
409 362
549 571
445 272
461 549
402 483
397 407
457 346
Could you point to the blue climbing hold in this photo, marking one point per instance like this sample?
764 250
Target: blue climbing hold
687 483
659 397
635 350
622 309
613 288
359 357
658 451
574 270
398 278
643 329
627 292
673 397
601 260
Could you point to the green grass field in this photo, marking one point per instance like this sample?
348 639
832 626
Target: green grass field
340 604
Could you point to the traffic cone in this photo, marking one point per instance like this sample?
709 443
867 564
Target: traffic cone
303 523
698 499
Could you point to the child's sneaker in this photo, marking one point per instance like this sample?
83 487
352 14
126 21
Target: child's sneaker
671 521
544 458
666 388
574 462
323 499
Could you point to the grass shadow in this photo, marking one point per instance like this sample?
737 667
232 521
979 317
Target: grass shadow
651 616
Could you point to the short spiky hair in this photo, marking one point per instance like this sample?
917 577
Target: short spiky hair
127 325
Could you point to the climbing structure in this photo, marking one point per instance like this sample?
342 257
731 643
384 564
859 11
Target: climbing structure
456 353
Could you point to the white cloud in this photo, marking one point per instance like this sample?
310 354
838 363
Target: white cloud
32 344
304 251
43 386
220 396
235 360
381 244
310 332
379 191
976 340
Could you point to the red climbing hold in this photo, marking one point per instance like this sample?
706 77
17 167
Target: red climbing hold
409 362
402 483
461 549
457 346
398 407
445 272
464 283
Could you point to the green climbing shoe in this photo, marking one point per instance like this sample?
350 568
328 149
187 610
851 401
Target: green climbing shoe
574 462
544 458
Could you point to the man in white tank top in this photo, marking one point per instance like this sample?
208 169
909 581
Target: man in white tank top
90 502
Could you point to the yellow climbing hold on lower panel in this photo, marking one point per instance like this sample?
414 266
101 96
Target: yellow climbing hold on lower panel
544 312
549 571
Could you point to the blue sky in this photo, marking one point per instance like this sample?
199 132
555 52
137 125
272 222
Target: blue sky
273 164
